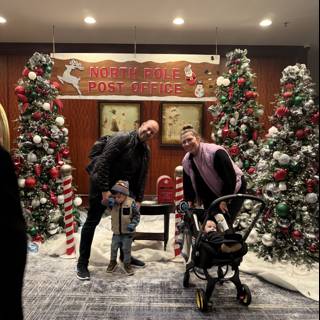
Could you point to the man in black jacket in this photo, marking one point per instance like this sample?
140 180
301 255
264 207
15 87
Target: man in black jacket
13 232
124 157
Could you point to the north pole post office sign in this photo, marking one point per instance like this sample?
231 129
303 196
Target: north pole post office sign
136 77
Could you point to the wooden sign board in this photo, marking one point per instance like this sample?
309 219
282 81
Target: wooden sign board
162 77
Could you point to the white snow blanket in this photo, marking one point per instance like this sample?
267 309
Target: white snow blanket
282 274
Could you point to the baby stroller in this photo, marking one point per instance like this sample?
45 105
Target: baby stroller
202 259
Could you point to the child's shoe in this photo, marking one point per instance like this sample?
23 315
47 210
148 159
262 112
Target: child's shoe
112 266
128 269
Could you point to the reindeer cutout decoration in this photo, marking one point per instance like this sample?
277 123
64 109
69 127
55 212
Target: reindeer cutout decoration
68 78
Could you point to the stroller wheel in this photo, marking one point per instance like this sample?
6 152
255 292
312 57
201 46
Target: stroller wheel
186 279
201 300
244 296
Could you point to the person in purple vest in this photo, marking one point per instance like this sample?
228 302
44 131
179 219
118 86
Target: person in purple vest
210 173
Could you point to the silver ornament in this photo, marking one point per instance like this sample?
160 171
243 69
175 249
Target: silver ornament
267 239
311 197
248 204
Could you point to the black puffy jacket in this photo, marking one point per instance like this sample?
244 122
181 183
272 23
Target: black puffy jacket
124 157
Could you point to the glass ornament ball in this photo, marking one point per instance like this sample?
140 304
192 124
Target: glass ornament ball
282 209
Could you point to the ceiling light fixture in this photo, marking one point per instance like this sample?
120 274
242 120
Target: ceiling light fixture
178 21
3 20
89 20
265 23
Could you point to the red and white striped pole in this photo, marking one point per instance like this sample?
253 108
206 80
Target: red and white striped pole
68 215
178 173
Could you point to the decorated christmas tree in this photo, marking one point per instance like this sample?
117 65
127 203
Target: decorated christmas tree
287 174
236 113
42 149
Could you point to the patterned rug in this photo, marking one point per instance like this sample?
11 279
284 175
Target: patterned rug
52 292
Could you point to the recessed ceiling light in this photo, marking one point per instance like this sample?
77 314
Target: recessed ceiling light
89 20
3 20
178 21
265 23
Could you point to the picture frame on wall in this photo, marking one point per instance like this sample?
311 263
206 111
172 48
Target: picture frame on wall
175 115
119 117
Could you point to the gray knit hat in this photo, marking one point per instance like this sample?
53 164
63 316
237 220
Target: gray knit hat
122 187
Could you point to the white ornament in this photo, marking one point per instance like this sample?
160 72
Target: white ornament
260 112
219 133
262 165
60 199
233 121
35 203
43 200
32 75
282 186
272 130
21 182
77 201
65 131
220 81
253 237
50 151
243 127
267 239
36 139
284 159
31 157
60 121
225 82
312 197
251 143
304 208
46 106
276 155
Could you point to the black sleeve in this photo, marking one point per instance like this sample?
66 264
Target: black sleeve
223 165
112 150
188 192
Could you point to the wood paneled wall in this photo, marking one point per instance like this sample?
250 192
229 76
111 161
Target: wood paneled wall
82 116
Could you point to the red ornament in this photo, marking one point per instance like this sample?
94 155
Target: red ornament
52 144
20 90
53 199
296 234
233 134
37 169
249 111
287 94
241 82
237 61
300 134
225 130
39 71
249 94
280 174
230 93
45 187
37 115
310 185
255 135
38 238
234 150
315 118
24 107
284 230
59 104
313 248
30 182
56 85
289 86
282 111
25 72
251 170
54 173
22 98
65 152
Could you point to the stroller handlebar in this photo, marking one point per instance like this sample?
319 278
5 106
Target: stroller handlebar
245 196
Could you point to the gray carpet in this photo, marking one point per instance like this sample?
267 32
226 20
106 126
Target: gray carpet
52 292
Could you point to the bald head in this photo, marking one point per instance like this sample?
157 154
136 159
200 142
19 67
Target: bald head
148 130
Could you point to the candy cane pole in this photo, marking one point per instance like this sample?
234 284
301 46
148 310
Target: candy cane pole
68 216
178 172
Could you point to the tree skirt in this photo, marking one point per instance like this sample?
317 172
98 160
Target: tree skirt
281 274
